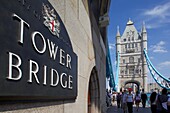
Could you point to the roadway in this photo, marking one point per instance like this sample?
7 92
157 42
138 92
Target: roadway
114 109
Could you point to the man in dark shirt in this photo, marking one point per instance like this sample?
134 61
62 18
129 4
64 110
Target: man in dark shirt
144 98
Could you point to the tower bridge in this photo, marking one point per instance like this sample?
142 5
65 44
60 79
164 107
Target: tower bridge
133 61
130 58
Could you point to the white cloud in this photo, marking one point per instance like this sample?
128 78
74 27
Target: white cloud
153 25
163 67
165 64
161 11
158 48
151 57
161 43
111 46
157 16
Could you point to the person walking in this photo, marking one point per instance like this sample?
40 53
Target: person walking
108 99
124 104
153 100
130 100
137 100
144 98
118 100
162 102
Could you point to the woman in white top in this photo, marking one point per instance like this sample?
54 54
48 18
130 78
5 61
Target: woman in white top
130 100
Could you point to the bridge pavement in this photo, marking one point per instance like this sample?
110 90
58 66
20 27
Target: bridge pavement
114 109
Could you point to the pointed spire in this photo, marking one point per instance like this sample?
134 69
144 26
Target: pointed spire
129 19
143 27
118 33
129 22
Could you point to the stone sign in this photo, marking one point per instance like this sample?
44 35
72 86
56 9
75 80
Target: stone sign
36 56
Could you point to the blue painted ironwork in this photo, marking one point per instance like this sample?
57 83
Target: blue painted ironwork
159 78
117 71
109 70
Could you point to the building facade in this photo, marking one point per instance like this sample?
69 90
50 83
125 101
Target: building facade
154 87
129 47
86 24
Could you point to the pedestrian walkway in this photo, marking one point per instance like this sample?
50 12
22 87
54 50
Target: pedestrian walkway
114 109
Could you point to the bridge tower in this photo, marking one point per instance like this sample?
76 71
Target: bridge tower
132 67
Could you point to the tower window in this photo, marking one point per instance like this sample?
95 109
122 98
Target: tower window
125 45
138 60
131 59
132 38
127 34
132 45
122 71
137 71
131 71
126 72
140 71
124 61
128 38
125 40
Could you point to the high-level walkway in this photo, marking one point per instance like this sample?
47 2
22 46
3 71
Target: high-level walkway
114 109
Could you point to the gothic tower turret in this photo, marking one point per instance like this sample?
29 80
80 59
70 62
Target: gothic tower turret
144 36
118 51
118 46
144 46
132 66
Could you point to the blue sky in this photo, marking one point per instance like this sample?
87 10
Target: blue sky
156 15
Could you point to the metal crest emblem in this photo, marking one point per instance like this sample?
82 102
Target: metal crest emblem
50 20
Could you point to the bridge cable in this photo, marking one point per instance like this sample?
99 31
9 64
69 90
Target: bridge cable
159 78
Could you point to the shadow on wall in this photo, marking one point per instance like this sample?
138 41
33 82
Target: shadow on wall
98 73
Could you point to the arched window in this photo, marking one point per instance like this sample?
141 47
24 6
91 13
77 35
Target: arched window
129 45
132 45
124 61
131 59
125 46
128 38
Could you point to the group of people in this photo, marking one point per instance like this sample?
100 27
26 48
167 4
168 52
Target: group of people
160 103
126 100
